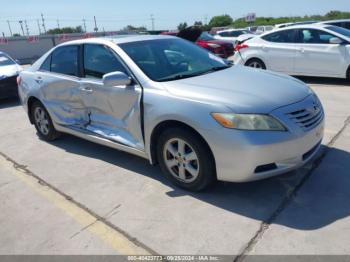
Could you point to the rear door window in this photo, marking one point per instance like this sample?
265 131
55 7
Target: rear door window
287 36
64 60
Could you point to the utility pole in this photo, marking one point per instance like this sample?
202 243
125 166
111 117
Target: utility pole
21 23
96 28
27 28
8 22
37 21
152 19
58 24
206 19
84 24
43 20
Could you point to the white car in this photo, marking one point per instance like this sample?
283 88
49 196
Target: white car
309 50
233 35
9 69
264 28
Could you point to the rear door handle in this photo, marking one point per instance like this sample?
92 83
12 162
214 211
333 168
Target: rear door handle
302 50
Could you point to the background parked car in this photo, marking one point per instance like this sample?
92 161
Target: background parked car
224 49
311 50
264 28
221 48
233 34
345 23
9 70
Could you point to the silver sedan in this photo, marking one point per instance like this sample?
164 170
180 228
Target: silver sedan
176 104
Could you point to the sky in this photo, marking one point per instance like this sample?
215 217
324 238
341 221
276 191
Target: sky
116 14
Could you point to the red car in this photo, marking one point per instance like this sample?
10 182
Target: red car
220 48
204 39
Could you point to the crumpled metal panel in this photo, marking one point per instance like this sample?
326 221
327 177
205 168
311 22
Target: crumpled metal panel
62 97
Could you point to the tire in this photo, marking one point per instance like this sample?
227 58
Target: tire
255 63
43 123
195 173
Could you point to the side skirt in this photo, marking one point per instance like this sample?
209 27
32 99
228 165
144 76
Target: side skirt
92 137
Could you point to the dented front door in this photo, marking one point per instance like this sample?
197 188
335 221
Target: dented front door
114 111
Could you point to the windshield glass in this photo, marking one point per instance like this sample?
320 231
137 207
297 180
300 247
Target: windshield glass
172 59
339 30
5 60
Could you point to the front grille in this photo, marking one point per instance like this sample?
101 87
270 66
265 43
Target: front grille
307 118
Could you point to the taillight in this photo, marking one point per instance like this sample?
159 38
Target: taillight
240 46
19 80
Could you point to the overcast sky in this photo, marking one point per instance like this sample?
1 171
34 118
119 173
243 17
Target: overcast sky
115 14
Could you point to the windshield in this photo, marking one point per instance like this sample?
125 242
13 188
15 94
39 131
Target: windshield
5 60
172 59
339 30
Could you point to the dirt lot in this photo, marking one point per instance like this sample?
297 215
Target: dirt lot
75 197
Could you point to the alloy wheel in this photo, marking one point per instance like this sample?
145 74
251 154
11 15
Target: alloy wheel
181 160
42 120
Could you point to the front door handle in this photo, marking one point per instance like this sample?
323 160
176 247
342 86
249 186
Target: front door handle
302 50
39 80
86 89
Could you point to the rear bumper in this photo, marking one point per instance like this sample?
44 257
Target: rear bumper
8 87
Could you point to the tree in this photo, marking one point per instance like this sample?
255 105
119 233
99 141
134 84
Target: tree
182 26
198 23
131 28
221 20
16 35
65 30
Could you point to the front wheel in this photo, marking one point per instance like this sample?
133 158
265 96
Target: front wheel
43 122
185 159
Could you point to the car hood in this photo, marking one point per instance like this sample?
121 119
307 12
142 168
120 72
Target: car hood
9 70
241 89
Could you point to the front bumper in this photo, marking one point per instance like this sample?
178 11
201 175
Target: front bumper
8 87
243 156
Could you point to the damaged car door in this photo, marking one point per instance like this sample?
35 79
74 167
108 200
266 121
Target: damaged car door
59 84
113 111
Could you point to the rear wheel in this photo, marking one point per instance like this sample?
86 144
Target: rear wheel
43 122
185 159
255 63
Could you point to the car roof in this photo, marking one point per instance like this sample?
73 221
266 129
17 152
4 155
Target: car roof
232 30
309 26
118 39
335 21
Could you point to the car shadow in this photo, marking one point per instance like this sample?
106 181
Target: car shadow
324 80
257 200
9 102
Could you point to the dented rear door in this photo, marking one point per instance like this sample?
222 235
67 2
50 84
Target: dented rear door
60 87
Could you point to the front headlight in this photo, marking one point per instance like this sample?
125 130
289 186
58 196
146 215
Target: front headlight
248 122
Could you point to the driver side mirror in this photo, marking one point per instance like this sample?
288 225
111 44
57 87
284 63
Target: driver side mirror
116 79
336 41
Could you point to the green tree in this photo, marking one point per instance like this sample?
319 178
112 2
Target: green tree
182 26
65 30
221 20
